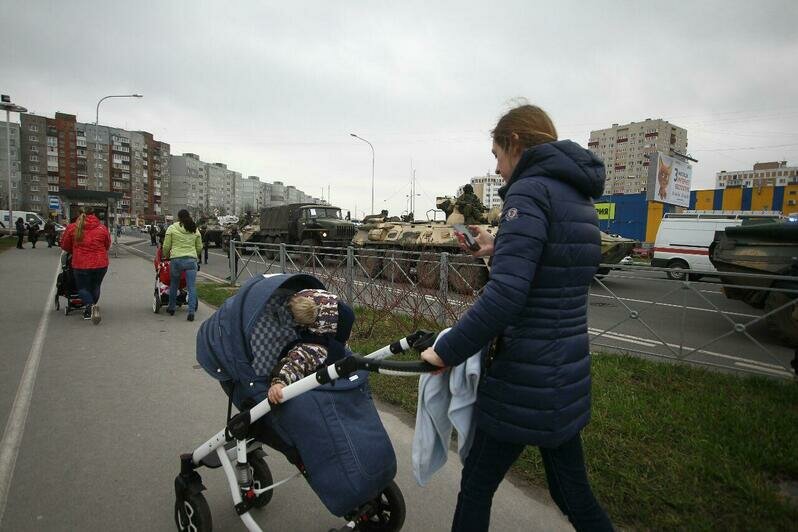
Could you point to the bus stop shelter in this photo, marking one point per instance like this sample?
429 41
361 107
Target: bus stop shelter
103 203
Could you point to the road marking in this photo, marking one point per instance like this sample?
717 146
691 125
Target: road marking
15 426
766 370
675 306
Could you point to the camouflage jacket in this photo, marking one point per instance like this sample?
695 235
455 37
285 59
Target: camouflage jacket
304 358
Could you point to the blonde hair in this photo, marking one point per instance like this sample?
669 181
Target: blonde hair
304 310
532 125
84 211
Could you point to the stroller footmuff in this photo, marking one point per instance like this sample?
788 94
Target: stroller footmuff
327 424
163 279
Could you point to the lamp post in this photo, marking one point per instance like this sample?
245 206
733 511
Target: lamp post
97 117
5 103
372 168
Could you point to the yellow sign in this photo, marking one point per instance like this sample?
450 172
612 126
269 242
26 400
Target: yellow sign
606 211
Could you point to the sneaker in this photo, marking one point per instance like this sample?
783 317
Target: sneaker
87 313
171 311
95 314
190 317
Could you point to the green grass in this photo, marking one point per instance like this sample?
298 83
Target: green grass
668 447
214 293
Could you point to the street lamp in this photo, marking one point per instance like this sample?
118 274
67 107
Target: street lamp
97 118
372 168
5 103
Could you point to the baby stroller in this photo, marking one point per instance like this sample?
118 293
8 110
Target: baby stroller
326 426
160 293
65 287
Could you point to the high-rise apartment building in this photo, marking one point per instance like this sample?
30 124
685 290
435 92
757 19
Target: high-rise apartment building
625 150
487 189
15 167
221 188
775 173
188 184
249 195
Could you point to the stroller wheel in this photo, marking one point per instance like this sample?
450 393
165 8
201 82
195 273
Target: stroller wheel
193 514
156 301
262 477
386 513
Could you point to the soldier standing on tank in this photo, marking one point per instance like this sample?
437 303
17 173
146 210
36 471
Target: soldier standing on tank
470 206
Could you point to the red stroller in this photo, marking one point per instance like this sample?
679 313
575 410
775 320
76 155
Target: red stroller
160 295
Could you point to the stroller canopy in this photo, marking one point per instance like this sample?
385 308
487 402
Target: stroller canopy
242 340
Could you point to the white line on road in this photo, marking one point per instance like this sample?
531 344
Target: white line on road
15 427
760 368
674 305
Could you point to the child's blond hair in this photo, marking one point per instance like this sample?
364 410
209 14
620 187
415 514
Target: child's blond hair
304 310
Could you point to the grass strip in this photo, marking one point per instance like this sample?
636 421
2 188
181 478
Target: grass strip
668 447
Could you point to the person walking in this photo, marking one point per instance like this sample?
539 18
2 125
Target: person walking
88 240
49 232
182 246
532 313
33 233
153 235
204 234
161 234
20 226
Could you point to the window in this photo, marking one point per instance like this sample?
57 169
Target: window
33 127
34 197
34 158
34 149
33 138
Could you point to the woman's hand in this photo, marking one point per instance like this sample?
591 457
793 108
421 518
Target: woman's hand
276 393
483 238
429 355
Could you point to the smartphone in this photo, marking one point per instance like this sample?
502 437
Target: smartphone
471 242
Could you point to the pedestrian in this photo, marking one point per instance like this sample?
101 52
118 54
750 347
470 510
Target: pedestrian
88 240
532 313
49 232
118 230
153 235
204 234
182 246
161 234
20 225
33 233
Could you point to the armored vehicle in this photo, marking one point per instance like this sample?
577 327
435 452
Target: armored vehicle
402 251
764 248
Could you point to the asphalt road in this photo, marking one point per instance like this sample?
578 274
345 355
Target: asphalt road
96 417
631 311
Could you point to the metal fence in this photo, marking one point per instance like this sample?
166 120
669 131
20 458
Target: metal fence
634 310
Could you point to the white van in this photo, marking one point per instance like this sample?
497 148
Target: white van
683 239
9 227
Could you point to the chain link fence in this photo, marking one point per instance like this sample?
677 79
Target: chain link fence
633 310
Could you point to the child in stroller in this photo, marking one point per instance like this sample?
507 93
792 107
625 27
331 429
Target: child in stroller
66 287
325 424
160 294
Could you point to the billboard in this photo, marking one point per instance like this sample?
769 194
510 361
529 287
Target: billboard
606 211
669 180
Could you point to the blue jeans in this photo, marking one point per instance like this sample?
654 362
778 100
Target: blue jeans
488 462
188 265
88 284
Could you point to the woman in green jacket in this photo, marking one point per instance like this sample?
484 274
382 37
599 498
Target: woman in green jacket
183 245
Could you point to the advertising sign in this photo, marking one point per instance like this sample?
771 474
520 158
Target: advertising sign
669 180
606 211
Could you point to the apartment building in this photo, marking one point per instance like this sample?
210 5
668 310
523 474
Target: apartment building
774 173
221 187
487 189
249 195
625 150
38 161
188 184
16 165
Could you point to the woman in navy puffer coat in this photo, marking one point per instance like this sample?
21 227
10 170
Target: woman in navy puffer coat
536 385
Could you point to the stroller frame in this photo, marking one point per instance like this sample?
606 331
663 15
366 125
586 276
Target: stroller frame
191 504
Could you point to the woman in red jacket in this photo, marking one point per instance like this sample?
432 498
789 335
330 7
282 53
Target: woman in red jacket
88 240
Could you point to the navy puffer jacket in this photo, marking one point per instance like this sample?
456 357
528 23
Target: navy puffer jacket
537 389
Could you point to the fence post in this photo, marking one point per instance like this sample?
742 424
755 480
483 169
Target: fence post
350 275
282 257
231 251
444 285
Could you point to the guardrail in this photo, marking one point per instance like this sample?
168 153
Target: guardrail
634 309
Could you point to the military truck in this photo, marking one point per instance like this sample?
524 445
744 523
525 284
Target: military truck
403 252
764 248
306 224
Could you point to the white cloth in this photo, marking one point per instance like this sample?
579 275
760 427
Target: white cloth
445 402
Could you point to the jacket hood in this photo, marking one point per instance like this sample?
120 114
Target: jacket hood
565 161
178 227
91 222
327 305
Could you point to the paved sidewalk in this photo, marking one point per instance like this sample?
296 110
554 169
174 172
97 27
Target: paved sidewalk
113 406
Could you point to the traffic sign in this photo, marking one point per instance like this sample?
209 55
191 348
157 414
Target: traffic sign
55 203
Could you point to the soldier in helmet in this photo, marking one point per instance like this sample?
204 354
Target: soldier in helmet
470 206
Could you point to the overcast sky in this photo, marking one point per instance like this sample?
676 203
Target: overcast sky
275 91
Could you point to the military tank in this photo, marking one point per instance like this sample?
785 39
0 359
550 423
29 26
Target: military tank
409 251
764 248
